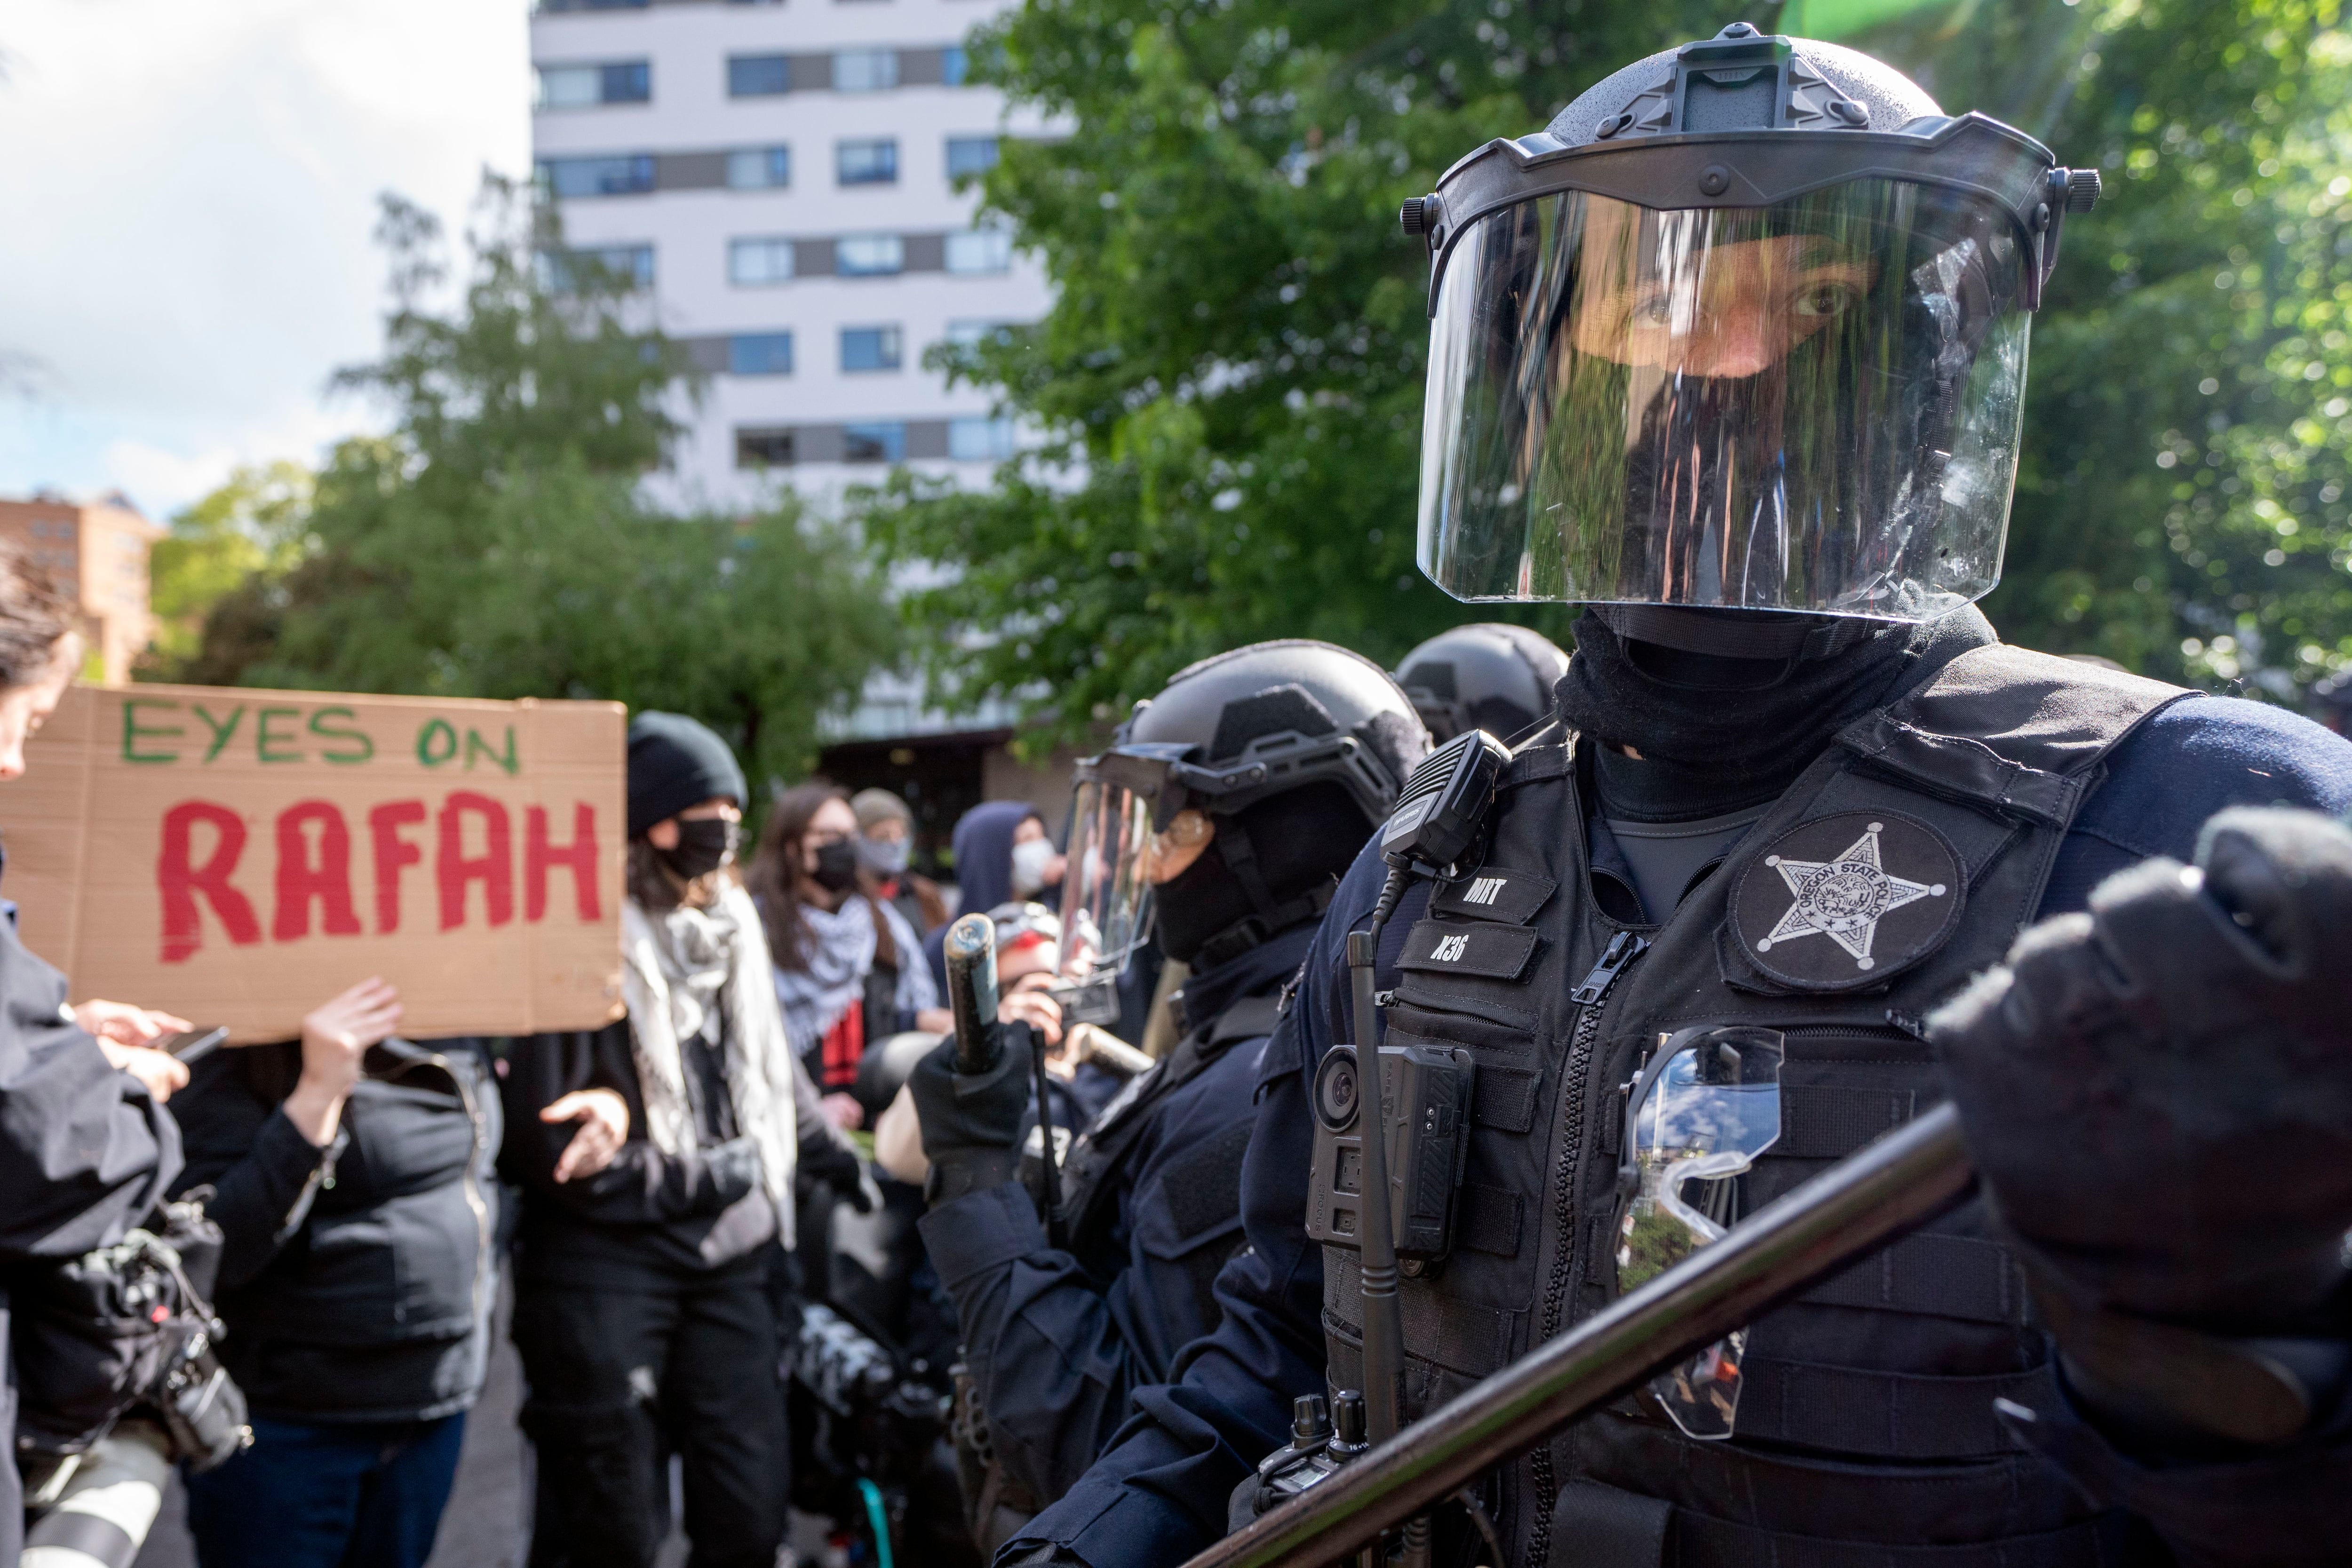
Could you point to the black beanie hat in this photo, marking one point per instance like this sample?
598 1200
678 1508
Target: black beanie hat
675 762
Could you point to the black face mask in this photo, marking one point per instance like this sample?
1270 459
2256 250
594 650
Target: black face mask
703 845
836 866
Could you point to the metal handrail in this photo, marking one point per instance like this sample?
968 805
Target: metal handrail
1849 1211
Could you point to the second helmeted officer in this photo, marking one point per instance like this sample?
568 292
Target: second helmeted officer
1220 819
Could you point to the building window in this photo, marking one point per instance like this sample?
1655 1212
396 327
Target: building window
869 348
876 441
625 174
758 168
980 250
629 265
967 334
979 440
759 354
865 71
758 75
869 255
970 155
752 262
953 64
763 449
587 87
874 163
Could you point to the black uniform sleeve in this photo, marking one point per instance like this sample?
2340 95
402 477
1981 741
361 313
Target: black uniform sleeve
85 1151
264 1174
642 1185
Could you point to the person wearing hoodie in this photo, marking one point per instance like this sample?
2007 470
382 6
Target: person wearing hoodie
845 964
1002 854
656 1159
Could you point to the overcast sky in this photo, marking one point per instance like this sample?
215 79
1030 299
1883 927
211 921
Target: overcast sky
188 191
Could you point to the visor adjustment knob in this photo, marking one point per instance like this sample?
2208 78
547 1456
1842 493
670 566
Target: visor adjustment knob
1420 213
2083 190
1714 180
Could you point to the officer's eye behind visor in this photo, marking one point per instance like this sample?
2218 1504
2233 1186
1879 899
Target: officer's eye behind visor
1808 407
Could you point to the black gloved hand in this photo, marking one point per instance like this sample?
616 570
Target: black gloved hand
970 1122
834 1163
2159 1093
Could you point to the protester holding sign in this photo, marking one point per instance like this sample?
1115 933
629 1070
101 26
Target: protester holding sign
656 1158
351 1180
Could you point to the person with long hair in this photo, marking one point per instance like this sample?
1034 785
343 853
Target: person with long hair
848 966
656 1159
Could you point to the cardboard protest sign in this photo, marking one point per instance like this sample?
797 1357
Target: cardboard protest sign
237 857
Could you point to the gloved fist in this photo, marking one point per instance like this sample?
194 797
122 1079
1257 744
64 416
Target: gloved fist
972 1122
836 1164
2158 1093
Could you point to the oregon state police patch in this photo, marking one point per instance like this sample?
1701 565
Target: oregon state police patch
1844 901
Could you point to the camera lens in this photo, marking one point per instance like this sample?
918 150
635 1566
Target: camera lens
1336 1088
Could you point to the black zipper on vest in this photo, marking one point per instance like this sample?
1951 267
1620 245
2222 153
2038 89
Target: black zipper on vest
1616 959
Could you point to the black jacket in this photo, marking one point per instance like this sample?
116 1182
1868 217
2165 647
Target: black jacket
647 1217
356 1280
85 1154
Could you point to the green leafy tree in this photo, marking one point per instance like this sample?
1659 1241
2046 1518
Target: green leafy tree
251 526
1229 384
497 543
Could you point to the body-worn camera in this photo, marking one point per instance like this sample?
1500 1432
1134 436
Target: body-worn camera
1427 1091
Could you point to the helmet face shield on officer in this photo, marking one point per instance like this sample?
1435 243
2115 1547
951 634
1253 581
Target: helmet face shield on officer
1142 816
1798 389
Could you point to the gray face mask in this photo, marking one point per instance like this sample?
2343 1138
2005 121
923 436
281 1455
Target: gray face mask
885 856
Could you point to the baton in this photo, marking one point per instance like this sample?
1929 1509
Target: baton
1851 1210
971 949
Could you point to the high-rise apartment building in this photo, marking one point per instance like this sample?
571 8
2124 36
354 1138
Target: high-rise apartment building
780 175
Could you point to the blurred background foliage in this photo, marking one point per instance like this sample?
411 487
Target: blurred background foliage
1228 389
1228 393
499 541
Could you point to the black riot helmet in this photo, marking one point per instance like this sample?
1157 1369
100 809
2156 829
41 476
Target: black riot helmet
1491 675
1743 329
1230 804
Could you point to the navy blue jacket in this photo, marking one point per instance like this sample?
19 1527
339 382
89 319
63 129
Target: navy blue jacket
1056 1348
1159 1493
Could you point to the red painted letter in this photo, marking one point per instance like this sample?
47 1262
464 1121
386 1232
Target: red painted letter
179 882
494 868
580 855
299 882
393 852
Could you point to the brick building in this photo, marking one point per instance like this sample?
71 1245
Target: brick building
97 554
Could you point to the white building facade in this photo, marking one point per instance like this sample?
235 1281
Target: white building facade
780 176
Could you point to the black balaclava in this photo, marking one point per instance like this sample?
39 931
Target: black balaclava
1717 732
1300 841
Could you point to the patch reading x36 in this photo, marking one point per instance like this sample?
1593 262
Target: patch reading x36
1479 947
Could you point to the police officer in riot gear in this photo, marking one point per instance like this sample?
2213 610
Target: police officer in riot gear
1222 817
1491 675
1732 352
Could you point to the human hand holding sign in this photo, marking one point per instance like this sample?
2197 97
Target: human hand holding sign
603 1119
336 1036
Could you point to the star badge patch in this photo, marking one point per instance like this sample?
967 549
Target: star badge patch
1845 901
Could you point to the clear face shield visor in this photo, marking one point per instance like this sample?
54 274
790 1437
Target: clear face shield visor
1807 406
1105 897
1706 1106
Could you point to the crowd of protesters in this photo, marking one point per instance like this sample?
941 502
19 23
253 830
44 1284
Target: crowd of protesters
637 1188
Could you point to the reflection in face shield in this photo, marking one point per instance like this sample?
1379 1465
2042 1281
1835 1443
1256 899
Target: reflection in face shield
1105 888
1807 406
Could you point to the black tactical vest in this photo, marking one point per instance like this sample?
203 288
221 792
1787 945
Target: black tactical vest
1902 862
